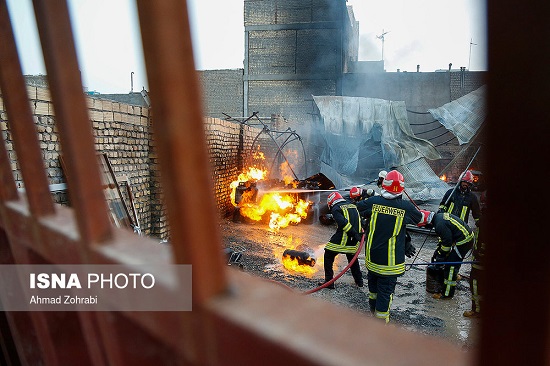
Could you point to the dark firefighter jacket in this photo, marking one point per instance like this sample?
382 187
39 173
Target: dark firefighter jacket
349 224
451 231
461 204
385 241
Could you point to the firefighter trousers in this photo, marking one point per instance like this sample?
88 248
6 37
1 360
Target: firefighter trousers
476 289
381 289
329 257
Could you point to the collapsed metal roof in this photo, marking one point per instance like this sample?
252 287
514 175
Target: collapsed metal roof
463 116
366 135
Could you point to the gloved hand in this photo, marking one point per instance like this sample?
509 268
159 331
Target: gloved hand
410 250
326 219
355 235
441 210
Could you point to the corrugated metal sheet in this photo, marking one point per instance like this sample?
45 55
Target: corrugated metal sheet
464 116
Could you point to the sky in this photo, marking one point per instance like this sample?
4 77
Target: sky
429 33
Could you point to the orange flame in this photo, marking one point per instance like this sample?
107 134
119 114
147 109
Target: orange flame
283 209
443 178
258 155
292 264
253 174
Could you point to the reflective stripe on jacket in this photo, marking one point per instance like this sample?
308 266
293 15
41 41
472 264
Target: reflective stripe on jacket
349 222
451 231
385 242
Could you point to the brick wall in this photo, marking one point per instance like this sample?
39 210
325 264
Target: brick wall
464 82
123 132
222 92
225 156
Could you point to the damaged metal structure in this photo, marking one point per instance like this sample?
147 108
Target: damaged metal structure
366 135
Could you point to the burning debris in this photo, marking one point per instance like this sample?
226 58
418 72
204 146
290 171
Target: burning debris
301 260
271 201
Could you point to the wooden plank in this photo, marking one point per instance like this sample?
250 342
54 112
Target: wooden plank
76 137
21 121
181 143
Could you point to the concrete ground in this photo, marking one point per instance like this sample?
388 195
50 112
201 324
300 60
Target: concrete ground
413 307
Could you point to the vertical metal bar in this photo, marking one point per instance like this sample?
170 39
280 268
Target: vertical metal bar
179 131
74 125
21 121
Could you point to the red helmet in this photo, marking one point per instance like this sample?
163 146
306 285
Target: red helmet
394 182
467 176
333 198
355 193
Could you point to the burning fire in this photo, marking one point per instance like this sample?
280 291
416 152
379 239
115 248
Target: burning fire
283 208
252 175
443 178
299 259
293 265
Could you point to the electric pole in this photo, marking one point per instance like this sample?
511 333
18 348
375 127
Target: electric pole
470 56
381 37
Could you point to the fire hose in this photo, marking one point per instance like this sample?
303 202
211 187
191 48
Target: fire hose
328 283
361 244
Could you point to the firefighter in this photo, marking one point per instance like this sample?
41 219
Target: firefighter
357 194
387 215
455 240
463 200
371 192
475 281
381 177
345 240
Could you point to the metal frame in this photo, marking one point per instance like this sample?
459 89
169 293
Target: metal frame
274 135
